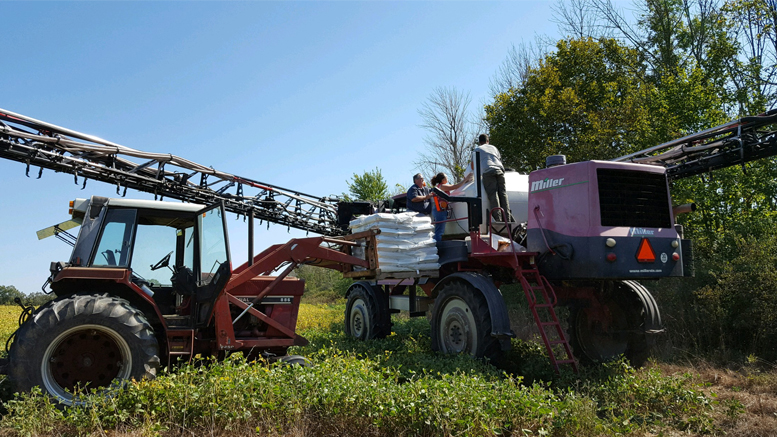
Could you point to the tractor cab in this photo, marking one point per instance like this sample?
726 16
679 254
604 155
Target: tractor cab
174 254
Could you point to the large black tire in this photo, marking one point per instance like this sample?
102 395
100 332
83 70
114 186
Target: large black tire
461 322
596 341
366 313
86 341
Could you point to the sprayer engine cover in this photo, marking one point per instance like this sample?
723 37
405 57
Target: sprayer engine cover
597 219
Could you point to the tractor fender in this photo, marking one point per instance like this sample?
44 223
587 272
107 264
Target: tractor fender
500 321
653 323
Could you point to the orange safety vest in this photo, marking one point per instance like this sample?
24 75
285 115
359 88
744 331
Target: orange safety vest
440 204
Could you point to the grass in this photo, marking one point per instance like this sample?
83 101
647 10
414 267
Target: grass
397 386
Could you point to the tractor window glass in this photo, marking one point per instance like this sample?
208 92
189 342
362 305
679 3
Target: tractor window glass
188 247
114 244
152 244
213 244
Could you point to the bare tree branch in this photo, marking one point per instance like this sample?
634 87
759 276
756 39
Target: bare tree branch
445 116
754 71
576 19
515 67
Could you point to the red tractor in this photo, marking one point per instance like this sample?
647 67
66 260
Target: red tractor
152 282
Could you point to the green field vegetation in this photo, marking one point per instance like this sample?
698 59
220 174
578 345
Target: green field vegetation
398 386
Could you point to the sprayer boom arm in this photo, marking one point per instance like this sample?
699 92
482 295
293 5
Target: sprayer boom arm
733 143
44 145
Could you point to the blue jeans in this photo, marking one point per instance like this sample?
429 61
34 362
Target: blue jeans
439 227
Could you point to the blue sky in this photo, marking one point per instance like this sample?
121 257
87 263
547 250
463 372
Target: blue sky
297 94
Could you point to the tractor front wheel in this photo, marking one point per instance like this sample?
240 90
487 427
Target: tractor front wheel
83 343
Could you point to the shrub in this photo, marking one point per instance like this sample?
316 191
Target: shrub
391 387
322 285
730 307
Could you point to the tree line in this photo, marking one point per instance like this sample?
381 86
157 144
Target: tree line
8 294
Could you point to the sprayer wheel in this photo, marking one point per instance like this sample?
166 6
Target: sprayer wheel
461 322
365 315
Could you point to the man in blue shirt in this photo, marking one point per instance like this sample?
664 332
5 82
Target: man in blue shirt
418 196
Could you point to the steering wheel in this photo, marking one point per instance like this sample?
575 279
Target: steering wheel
164 262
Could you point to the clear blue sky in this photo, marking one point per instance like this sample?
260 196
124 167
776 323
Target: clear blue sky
297 94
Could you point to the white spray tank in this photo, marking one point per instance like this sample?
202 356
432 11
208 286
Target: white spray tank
517 186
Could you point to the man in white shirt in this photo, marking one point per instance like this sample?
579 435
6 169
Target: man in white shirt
493 173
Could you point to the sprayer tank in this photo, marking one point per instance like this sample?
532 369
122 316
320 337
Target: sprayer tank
517 193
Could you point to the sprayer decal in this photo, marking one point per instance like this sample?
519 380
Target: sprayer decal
550 184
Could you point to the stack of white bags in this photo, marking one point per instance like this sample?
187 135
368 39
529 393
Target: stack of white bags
405 243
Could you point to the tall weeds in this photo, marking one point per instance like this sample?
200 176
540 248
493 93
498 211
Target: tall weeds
390 387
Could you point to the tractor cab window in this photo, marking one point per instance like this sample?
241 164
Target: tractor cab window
213 244
214 265
115 239
159 246
152 244
187 239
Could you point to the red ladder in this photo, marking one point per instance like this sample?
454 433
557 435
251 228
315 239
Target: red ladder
532 276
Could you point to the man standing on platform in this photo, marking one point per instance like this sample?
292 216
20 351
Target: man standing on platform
493 173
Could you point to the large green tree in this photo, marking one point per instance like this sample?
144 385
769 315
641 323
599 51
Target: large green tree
733 42
8 293
586 100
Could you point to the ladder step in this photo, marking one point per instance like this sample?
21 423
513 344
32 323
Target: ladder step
180 343
549 323
174 321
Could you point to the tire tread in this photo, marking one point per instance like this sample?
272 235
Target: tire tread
33 337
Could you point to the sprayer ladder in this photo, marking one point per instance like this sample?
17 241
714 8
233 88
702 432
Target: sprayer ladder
542 299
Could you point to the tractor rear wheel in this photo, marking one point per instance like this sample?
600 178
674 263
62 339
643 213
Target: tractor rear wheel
461 322
615 328
366 315
84 343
